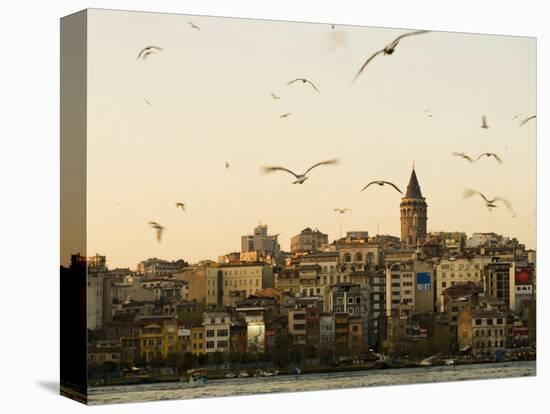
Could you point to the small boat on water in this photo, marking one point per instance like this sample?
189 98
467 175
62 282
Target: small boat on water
243 374
295 371
229 375
271 373
195 377
449 362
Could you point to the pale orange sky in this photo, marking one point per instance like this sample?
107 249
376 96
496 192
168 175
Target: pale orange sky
210 103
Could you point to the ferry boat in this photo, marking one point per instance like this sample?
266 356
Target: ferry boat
195 377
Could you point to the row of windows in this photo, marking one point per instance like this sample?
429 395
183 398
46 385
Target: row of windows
490 332
461 266
102 357
238 272
351 310
489 344
221 332
489 321
212 344
460 275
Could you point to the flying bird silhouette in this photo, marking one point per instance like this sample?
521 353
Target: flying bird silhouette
342 210
381 182
275 96
180 205
300 178
527 120
388 49
489 203
490 154
285 115
147 102
516 116
304 80
484 122
158 228
227 165
194 26
462 155
146 51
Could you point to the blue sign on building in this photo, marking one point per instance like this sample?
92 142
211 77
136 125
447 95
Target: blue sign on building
423 281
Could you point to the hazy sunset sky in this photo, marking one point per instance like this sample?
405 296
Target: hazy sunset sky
210 103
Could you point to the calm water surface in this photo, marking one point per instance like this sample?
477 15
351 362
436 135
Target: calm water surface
309 382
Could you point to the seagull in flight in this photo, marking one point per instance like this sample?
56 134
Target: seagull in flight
490 154
381 182
516 116
300 178
147 102
527 120
285 115
159 229
489 203
180 205
227 165
275 96
303 80
194 26
146 51
342 210
388 49
484 122
462 155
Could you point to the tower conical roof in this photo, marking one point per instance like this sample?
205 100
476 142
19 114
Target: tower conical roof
413 189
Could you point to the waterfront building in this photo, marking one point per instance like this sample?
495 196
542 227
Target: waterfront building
217 327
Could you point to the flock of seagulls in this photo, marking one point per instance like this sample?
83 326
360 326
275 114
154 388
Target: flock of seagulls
490 203
388 50
485 154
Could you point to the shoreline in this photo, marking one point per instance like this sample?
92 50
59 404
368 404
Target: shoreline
215 376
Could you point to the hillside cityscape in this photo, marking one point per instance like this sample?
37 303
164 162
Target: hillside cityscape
357 302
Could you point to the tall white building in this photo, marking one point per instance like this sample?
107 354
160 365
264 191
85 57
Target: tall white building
217 327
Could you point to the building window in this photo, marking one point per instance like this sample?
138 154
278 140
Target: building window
210 345
478 321
210 333
223 332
